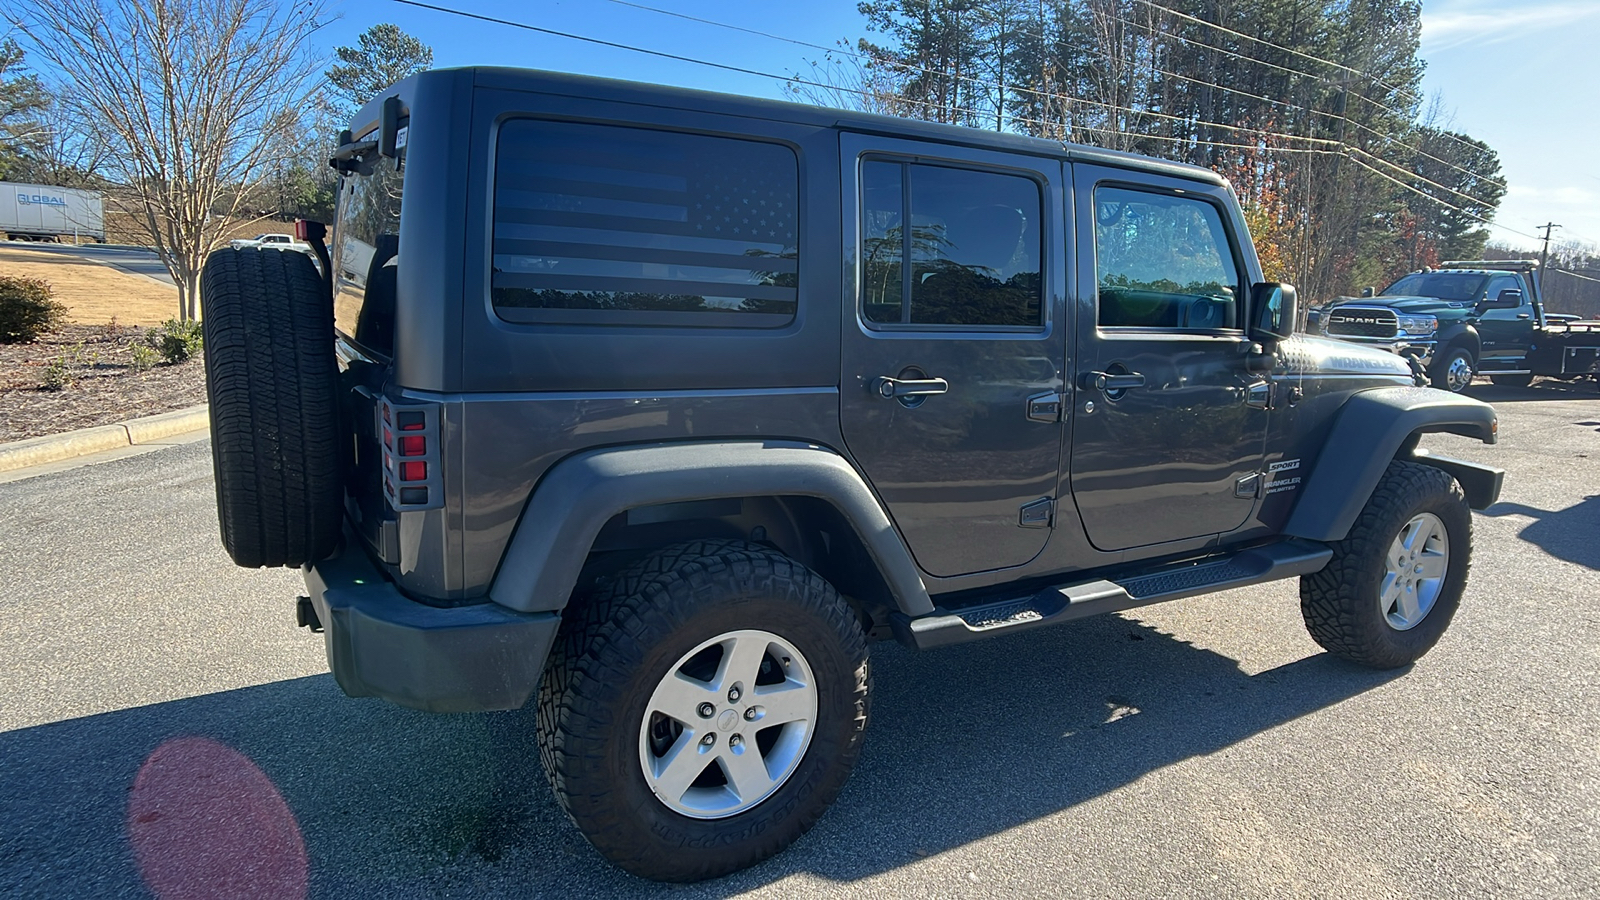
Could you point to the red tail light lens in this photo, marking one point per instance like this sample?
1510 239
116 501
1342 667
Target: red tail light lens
413 471
413 445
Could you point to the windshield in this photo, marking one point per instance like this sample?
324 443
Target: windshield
1455 286
365 252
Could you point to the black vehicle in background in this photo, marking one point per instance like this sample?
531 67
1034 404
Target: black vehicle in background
1466 318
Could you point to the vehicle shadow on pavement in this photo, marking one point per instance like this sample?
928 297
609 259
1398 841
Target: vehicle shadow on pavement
1541 389
965 743
1567 534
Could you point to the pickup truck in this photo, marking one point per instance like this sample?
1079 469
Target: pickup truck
1466 318
270 242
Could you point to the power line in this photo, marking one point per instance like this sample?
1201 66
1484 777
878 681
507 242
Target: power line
1303 55
1109 106
1135 136
1574 274
1398 89
1421 193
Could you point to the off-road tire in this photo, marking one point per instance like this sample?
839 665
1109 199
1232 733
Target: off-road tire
1439 372
1520 381
1341 602
271 379
617 644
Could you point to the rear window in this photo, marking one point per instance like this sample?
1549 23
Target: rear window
1461 288
602 224
366 252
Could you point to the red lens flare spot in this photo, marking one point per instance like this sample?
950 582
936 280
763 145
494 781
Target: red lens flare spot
205 821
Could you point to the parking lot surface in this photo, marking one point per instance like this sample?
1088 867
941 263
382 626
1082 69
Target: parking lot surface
164 724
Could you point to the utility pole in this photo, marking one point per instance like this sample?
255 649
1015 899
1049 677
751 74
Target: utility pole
1544 255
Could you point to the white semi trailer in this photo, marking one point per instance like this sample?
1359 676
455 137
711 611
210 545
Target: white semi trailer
40 212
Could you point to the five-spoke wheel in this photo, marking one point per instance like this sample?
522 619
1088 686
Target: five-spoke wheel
728 724
703 709
1416 566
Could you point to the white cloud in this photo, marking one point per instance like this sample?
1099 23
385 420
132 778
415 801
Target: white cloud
1463 25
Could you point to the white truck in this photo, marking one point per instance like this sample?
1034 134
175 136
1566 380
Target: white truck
41 212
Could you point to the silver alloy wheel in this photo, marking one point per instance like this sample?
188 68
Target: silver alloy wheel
1459 374
1416 567
715 743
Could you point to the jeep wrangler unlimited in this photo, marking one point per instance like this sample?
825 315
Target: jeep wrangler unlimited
655 407
1466 318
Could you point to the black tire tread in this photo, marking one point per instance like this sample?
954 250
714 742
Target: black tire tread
614 623
271 379
1334 602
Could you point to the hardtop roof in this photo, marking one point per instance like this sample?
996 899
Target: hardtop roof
610 89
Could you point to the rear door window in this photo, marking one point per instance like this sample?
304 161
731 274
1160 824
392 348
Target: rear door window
609 225
970 257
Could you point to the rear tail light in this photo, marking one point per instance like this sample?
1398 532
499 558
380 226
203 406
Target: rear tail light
410 434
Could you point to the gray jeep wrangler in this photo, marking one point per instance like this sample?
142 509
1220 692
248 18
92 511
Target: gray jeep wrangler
655 408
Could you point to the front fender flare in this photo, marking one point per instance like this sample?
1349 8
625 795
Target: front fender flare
582 492
1459 334
1369 432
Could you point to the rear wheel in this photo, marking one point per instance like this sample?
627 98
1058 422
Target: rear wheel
1394 583
703 710
1453 371
271 379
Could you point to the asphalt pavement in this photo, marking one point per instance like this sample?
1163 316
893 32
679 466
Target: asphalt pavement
1205 748
128 259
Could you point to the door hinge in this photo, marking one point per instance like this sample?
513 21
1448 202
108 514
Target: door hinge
1248 487
1045 407
1037 514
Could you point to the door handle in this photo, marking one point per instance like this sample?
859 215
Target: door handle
890 388
1105 381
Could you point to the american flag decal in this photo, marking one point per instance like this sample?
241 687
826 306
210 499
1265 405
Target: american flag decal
605 218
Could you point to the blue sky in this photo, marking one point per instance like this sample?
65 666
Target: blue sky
1523 76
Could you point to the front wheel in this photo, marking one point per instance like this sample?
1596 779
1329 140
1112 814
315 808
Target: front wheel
1396 580
702 711
1453 371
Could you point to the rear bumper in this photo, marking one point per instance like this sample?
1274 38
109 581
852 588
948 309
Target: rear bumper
460 659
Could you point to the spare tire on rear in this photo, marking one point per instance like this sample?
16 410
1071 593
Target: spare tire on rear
272 381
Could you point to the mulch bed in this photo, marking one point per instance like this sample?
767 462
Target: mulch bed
105 388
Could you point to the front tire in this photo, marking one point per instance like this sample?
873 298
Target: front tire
1453 371
1395 581
703 709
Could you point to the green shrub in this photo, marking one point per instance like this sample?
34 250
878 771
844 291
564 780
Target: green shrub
142 357
27 309
176 341
58 376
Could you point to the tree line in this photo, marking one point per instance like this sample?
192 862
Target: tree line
190 115
1312 108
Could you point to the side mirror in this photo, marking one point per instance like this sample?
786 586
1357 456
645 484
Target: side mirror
1367 292
1275 311
1510 298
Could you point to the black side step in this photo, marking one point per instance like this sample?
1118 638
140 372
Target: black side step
1051 606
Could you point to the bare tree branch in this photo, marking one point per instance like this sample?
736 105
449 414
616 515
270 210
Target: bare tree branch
198 100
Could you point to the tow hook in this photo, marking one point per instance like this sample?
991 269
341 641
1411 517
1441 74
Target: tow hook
305 615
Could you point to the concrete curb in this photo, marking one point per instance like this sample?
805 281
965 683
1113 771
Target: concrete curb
56 447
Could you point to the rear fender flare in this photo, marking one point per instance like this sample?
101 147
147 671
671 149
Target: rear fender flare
582 492
1372 428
